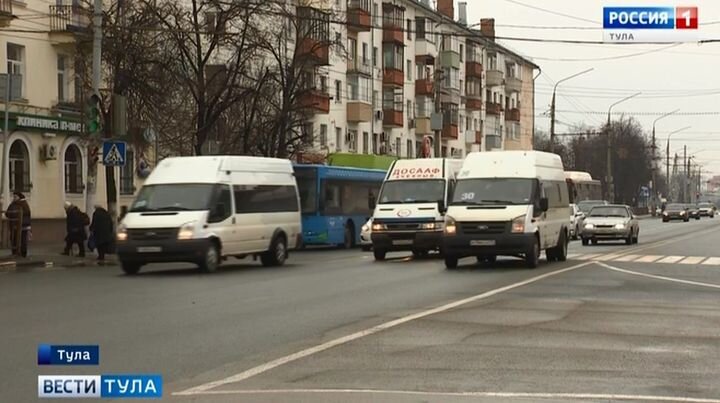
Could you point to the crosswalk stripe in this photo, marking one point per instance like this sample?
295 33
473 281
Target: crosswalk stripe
648 259
573 255
692 260
603 258
627 258
590 256
712 261
671 259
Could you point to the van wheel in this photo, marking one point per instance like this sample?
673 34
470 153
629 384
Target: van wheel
451 262
211 260
379 254
349 237
277 254
559 252
532 256
130 268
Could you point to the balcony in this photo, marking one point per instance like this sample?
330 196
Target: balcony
473 137
513 84
473 69
315 101
473 103
5 13
492 108
393 118
493 142
361 67
358 111
393 34
450 131
449 58
316 50
423 125
494 78
67 23
513 114
424 87
358 14
393 77
425 52
67 108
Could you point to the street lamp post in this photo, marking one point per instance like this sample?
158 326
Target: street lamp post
654 159
610 183
667 156
552 106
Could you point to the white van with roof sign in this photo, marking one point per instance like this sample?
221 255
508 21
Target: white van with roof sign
411 206
204 209
508 203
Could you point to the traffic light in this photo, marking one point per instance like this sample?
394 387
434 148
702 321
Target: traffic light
93 115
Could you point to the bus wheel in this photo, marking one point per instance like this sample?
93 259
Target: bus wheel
349 237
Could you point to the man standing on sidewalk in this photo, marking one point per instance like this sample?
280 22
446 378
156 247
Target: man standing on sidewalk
19 214
102 232
76 223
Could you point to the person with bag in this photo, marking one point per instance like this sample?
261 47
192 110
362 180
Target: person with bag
101 232
75 225
18 213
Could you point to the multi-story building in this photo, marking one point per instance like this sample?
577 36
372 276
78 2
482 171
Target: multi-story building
46 154
408 72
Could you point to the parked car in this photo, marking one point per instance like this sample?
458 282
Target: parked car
706 209
366 236
693 211
675 211
610 222
576 218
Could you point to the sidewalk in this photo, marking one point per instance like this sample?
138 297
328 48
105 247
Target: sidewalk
47 255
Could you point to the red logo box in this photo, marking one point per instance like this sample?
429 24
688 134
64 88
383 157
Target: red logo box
686 18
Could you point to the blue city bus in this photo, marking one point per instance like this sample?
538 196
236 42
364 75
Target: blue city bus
336 202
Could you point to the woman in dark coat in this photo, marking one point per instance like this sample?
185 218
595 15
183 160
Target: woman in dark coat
102 231
19 214
76 223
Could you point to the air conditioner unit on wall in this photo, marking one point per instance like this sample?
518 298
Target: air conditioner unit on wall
49 152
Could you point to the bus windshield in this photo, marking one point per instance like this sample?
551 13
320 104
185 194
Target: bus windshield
507 191
413 191
307 186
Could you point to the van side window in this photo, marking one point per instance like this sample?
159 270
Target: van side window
265 199
223 206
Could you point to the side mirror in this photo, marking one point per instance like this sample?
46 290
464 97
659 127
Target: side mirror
544 205
441 206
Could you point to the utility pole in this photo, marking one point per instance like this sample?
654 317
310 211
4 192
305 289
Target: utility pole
552 107
4 195
91 187
685 168
439 77
667 155
610 182
655 160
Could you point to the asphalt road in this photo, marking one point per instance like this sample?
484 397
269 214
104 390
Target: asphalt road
614 322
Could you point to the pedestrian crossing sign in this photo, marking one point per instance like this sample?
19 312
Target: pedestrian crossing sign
114 153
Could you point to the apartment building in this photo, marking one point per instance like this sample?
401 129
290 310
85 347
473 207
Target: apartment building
46 155
408 71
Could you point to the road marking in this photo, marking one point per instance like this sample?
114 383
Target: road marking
573 255
675 280
693 260
647 259
627 258
527 395
603 258
367 332
590 256
671 259
714 261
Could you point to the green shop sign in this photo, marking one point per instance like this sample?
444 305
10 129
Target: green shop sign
43 123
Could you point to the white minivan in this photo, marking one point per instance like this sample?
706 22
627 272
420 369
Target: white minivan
205 209
508 203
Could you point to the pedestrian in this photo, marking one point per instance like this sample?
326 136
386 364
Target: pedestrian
75 223
101 231
19 214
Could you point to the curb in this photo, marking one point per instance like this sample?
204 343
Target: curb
14 266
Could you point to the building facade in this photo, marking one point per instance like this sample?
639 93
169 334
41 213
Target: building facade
47 154
407 73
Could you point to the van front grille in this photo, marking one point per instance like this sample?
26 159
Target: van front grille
152 234
483 228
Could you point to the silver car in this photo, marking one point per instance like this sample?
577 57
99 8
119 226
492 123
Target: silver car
610 222
365 236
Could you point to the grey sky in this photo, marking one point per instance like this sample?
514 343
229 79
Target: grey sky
686 76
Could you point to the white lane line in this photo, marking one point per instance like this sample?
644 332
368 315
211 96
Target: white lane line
528 395
573 255
674 280
590 256
627 258
671 259
648 259
603 258
693 260
712 261
367 332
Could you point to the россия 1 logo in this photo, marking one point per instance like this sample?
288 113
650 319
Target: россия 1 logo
650 24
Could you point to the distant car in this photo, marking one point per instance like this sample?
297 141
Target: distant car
576 217
706 210
693 211
610 222
675 212
365 236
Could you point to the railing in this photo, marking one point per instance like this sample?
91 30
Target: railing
5 7
65 18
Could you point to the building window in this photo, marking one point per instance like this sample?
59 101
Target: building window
375 143
323 135
409 29
444 151
365 54
409 152
366 139
418 149
338 86
409 70
409 109
323 84
352 140
462 52
73 170
307 133
19 167
16 64
127 174
62 78
375 56
338 139
352 49
398 146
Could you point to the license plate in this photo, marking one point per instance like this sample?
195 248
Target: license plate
482 243
149 249
403 242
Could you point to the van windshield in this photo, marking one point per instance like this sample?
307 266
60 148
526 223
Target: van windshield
504 191
413 191
174 197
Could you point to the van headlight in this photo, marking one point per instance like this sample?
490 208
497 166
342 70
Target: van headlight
431 226
450 226
620 226
187 231
122 234
378 227
518 224
589 226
